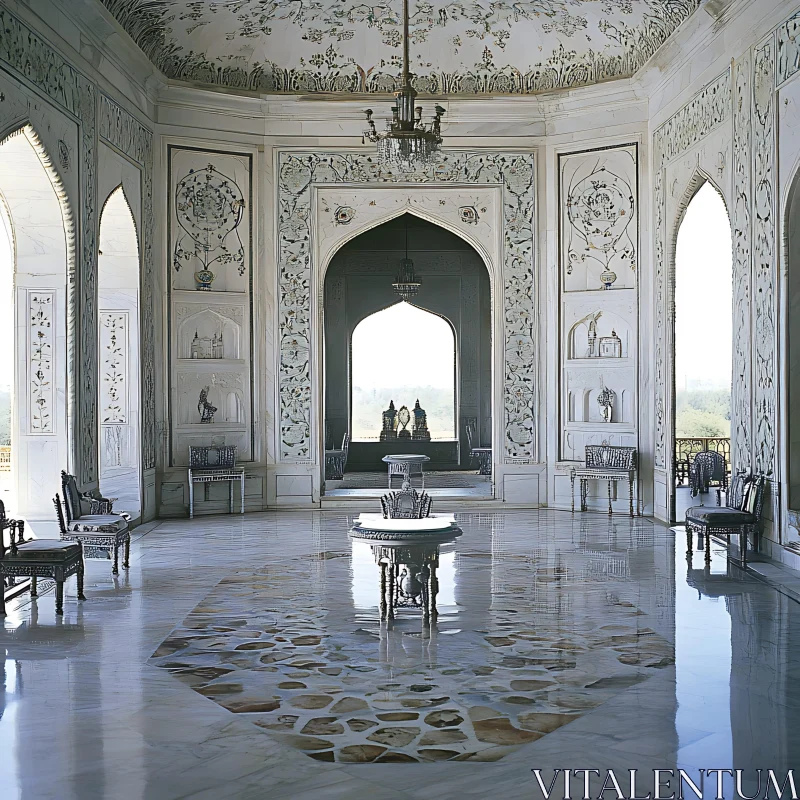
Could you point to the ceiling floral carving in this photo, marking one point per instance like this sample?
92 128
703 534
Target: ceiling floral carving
462 47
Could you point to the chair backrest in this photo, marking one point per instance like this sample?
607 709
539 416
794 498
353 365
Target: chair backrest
62 525
610 456
712 463
212 457
470 427
408 503
740 485
72 496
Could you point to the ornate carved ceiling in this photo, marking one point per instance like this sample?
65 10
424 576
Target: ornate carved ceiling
458 47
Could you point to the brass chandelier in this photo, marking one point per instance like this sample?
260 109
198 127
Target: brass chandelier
406 284
407 142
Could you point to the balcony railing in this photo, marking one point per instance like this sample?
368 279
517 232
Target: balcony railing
686 448
5 459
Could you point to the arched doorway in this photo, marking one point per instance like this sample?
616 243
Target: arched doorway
118 363
436 349
703 342
34 256
423 365
792 343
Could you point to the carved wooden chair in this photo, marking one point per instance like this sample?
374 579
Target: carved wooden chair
483 455
99 531
38 558
408 503
740 516
605 463
709 466
336 460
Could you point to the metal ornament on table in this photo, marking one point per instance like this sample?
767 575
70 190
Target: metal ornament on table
421 432
404 417
205 408
389 423
606 402
407 142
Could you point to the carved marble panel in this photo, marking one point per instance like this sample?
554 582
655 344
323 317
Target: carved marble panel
788 48
210 219
764 257
298 172
114 327
741 401
599 219
41 319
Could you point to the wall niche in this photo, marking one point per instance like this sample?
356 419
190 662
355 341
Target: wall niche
209 333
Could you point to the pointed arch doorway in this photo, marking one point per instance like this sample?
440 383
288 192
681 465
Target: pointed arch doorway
436 349
703 342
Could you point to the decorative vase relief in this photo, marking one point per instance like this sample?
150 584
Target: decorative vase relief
599 225
209 208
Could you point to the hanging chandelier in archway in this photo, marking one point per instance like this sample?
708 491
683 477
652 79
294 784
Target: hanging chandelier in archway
407 142
406 284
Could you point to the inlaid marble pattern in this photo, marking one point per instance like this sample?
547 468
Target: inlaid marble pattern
297 649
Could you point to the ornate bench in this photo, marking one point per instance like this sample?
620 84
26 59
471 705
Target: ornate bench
90 521
213 464
605 463
39 558
740 516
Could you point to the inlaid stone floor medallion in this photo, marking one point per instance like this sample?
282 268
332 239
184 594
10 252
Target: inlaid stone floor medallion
522 646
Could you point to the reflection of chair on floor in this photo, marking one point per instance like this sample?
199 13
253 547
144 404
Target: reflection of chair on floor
708 467
336 460
483 455
740 516
39 558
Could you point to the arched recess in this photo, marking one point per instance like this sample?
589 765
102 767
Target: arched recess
456 287
791 336
42 256
119 399
711 341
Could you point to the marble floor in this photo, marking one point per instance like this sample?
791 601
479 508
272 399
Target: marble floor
243 657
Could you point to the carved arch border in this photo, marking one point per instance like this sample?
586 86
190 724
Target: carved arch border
25 127
492 263
298 171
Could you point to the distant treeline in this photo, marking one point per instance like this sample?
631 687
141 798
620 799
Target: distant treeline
369 405
703 412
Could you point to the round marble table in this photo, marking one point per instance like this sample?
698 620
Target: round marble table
406 465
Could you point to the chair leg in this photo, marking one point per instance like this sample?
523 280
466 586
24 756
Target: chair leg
191 499
584 493
81 595
572 483
2 596
743 546
630 489
689 542
59 597
34 586
242 492
708 547
115 570
127 562
610 511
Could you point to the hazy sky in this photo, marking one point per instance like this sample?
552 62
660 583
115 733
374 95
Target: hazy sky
403 345
703 299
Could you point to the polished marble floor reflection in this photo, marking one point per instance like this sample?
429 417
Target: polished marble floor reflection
244 657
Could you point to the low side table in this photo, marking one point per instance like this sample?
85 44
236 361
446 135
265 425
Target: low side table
406 465
207 476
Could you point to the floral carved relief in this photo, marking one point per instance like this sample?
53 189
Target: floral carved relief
514 172
41 389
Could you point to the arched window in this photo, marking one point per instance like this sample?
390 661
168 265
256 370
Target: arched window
118 315
404 354
703 332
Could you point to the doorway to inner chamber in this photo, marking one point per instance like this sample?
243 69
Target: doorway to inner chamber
407 341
